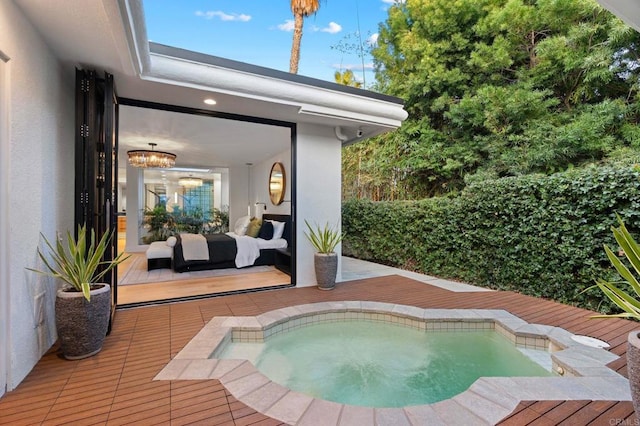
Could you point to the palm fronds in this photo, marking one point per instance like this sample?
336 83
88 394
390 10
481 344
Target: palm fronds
75 263
629 303
325 239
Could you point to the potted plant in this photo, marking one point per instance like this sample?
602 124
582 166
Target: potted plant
324 240
82 304
629 303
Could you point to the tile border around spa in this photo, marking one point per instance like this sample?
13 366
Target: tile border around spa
488 400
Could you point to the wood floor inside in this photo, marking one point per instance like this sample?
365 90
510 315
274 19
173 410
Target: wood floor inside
138 293
192 287
116 386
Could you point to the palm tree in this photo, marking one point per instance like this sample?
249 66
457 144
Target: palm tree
301 9
347 78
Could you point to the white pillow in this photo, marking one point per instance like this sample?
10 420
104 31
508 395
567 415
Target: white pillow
171 241
241 225
278 229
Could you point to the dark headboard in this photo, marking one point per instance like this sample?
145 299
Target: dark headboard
286 234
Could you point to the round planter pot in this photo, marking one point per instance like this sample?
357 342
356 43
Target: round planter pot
326 265
633 368
82 325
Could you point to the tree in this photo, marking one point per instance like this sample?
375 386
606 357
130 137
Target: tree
347 78
351 45
505 87
301 9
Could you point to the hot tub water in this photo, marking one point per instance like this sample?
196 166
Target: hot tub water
383 365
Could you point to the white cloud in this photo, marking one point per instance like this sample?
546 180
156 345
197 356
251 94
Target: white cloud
356 68
288 25
372 40
333 28
210 14
393 1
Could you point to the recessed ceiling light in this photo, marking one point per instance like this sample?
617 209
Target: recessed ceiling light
210 101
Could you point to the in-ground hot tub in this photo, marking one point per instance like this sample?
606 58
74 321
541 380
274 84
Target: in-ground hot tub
487 400
383 364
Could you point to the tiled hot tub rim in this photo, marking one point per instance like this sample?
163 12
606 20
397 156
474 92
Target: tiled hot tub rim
488 400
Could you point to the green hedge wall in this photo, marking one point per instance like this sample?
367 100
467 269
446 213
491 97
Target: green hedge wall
537 235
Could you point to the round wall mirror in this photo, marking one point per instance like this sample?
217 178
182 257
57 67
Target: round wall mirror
277 184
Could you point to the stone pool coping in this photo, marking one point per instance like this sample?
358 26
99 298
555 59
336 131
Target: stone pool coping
488 400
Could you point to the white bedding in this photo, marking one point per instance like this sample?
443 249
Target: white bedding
249 248
272 244
194 247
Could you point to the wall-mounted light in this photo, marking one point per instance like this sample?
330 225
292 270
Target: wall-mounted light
210 101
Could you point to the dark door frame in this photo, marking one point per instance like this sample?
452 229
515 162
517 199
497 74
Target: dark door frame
96 162
237 117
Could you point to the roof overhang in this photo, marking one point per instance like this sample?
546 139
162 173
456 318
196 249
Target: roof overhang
252 90
110 36
627 10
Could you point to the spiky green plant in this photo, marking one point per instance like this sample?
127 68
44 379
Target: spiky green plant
75 263
325 239
629 303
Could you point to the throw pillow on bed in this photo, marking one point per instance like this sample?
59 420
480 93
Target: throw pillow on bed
278 229
240 228
266 230
254 227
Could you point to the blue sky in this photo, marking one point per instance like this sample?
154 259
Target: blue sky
260 32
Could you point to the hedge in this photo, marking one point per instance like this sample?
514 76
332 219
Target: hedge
537 235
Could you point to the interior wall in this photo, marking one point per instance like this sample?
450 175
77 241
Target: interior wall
260 186
135 195
41 169
239 197
224 190
318 188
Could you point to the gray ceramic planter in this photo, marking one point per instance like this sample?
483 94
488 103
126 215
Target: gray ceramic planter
326 265
633 368
82 325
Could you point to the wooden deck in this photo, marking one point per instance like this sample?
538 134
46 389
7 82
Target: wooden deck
116 387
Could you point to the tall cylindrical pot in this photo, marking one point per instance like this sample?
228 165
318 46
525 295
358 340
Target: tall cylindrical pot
326 265
633 368
82 325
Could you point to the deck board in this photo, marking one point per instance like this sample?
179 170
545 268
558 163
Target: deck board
116 386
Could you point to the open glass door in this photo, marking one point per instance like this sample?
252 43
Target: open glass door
96 145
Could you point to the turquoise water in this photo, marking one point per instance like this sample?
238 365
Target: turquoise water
383 365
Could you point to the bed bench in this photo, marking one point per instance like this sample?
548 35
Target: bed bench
159 255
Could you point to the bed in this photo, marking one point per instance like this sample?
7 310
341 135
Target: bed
232 251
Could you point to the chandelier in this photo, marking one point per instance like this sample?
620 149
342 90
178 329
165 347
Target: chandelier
148 158
190 182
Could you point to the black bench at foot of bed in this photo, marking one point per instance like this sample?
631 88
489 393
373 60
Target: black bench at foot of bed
222 250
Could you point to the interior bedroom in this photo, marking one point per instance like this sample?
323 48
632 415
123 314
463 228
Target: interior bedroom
216 218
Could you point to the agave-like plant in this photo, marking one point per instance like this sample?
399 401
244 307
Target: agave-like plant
76 264
325 239
629 303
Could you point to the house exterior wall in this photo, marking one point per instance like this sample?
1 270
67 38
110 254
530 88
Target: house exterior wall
40 199
318 188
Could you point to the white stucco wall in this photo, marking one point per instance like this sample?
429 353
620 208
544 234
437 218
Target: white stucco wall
41 111
318 154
